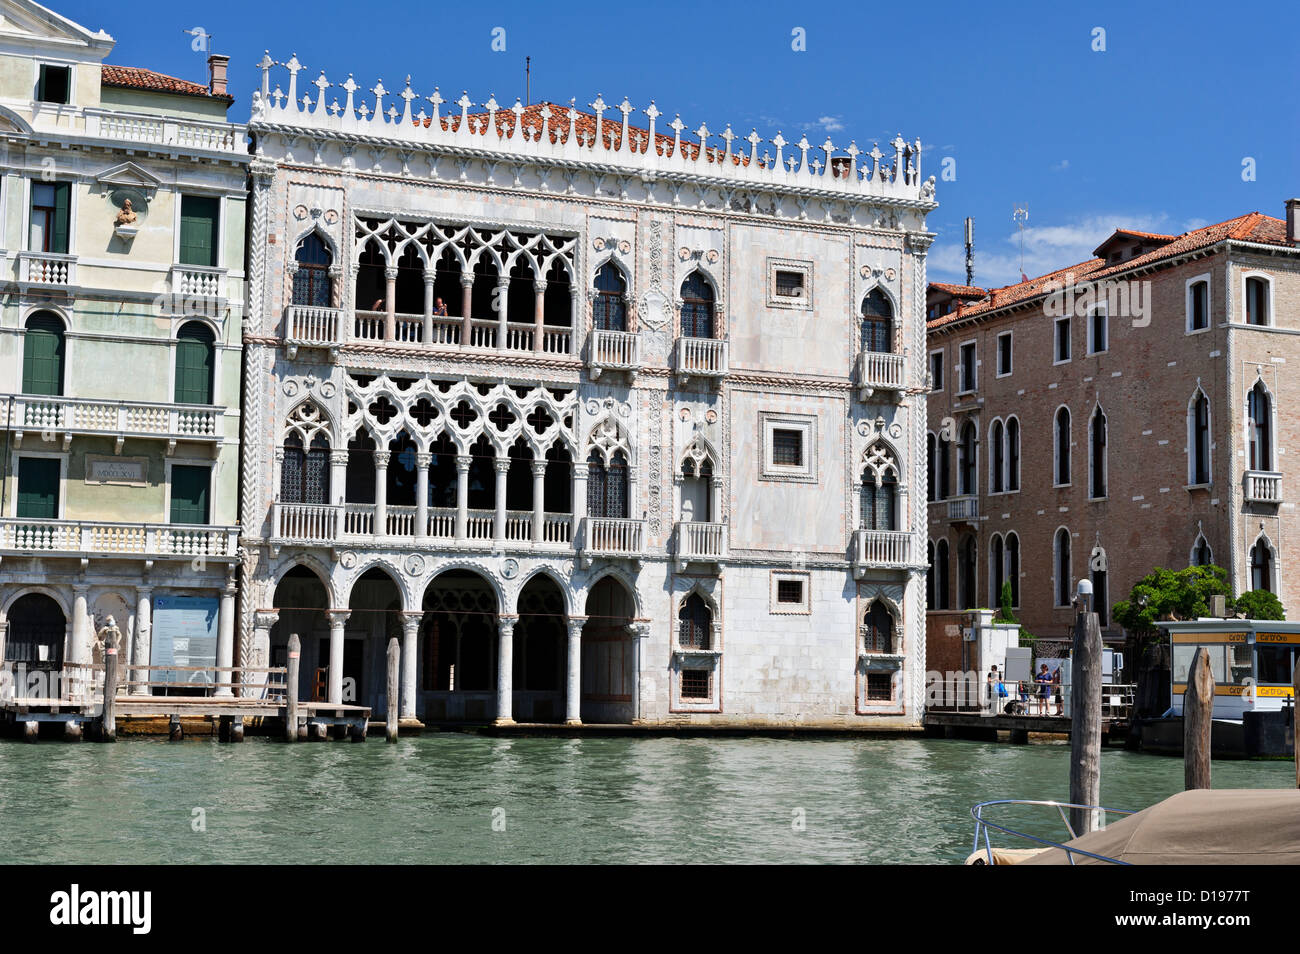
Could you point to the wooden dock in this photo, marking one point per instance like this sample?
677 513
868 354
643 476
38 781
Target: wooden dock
967 724
262 698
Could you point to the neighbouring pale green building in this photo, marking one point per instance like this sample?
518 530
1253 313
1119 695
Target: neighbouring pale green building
122 220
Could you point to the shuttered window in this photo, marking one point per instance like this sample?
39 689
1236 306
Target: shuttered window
54 84
49 217
38 488
194 359
43 355
190 494
199 229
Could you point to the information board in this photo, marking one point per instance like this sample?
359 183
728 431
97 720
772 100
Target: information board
184 634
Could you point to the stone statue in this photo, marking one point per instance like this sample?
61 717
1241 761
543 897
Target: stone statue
127 215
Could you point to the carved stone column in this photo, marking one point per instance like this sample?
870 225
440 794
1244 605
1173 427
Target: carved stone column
338 620
539 499
380 528
539 315
462 497
422 461
141 645
428 307
503 313
226 636
410 636
390 303
254 683
573 672
79 644
579 496
505 669
502 467
466 302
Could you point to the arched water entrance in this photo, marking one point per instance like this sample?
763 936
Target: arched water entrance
609 654
540 647
374 617
457 678
36 635
302 600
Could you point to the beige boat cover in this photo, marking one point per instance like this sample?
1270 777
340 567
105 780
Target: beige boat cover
1240 826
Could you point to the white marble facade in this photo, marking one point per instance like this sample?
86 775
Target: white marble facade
452 500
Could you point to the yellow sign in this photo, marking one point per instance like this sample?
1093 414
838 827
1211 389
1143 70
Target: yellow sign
1289 638
1261 692
1208 638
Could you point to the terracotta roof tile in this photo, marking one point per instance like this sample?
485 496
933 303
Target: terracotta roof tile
136 77
1252 227
960 291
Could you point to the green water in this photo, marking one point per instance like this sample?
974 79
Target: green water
434 799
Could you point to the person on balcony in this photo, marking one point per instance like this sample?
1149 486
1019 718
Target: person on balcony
439 308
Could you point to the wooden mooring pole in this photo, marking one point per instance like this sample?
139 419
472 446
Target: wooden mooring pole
1198 717
394 660
291 690
108 723
1085 731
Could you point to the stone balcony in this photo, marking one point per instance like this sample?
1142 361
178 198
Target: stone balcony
699 542
701 358
611 537
964 509
47 270
167 133
198 288
86 538
879 371
312 326
1263 487
613 351
64 417
402 527
880 549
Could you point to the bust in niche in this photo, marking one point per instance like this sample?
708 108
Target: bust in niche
127 221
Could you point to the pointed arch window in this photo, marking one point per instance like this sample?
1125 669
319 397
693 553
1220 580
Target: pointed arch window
1257 311
879 492
1261 566
932 464
877 328
966 483
607 491
1097 454
1013 567
609 309
967 565
1259 410
697 307
1062 548
929 575
1202 555
878 629
945 468
941 581
1062 441
694 623
311 281
1013 454
997 463
195 354
305 473
43 346
1198 446
997 569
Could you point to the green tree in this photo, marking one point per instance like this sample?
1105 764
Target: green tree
1164 595
1260 604
1005 613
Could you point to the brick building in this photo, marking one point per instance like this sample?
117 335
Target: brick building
1120 414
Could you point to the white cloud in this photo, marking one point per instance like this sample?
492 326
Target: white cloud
1061 166
1048 247
830 123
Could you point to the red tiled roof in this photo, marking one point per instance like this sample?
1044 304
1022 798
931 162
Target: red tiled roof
960 291
136 77
1252 227
1120 235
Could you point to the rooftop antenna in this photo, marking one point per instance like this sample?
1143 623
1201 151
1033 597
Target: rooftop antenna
1021 215
528 81
970 251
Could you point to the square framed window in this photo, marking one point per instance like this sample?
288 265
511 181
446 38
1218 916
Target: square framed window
880 687
789 446
199 230
968 369
1198 303
54 84
936 370
790 594
1098 331
789 284
697 685
189 493
1004 354
40 487
1062 343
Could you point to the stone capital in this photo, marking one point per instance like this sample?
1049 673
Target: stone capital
501 465
506 624
539 468
382 457
462 463
575 625
411 620
338 618
265 618
423 458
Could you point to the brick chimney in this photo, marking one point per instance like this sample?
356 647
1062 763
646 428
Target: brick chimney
1293 221
217 64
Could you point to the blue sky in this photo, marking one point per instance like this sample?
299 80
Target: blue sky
1150 133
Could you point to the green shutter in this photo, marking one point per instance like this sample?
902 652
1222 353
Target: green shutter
43 356
38 488
62 203
199 230
190 494
194 355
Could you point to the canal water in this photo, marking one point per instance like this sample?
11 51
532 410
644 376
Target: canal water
450 797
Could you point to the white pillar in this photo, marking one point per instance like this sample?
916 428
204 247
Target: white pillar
505 669
503 296
539 315
79 650
254 684
573 682
716 514
380 529
466 302
422 462
428 308
502 467
338 619
226 637
462 496
410 635
539 499
579 496
338 487
390 303
143 625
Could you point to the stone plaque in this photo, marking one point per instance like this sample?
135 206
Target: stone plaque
117 470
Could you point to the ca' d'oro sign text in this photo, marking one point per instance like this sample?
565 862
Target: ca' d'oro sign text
93 908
